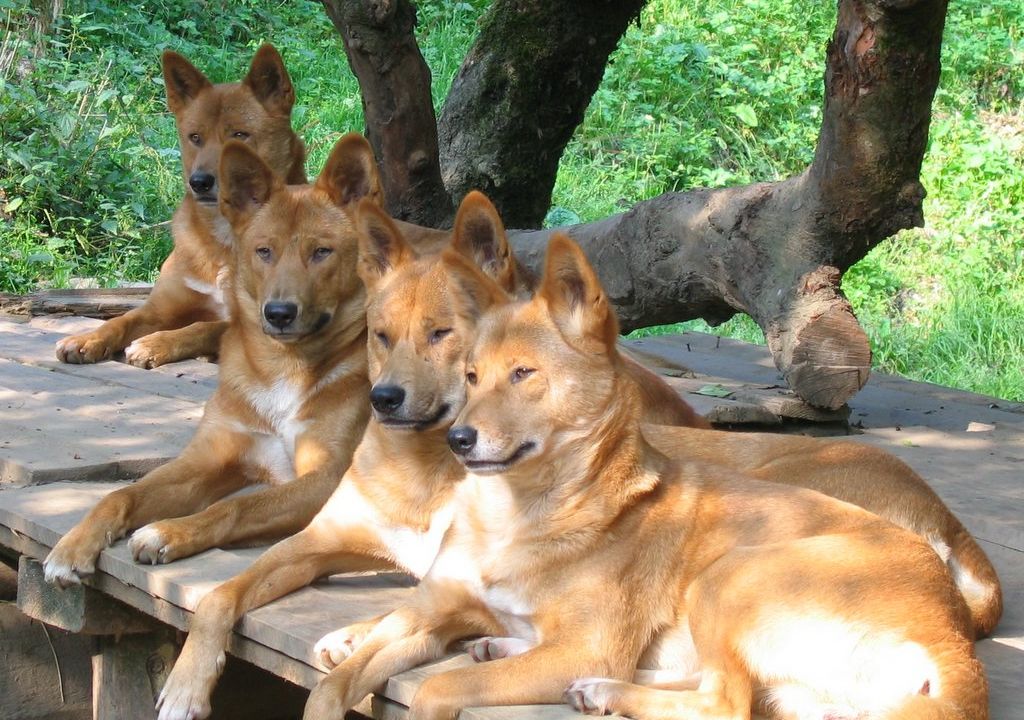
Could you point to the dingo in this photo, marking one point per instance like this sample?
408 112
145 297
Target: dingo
186 313
393 504
601 556
290 406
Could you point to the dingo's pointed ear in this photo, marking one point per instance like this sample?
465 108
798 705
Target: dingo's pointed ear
479 236
246 181
269 81
382 249
478 290
351 173
575 298
182 80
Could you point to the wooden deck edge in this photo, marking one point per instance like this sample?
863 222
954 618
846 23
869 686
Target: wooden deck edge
251 651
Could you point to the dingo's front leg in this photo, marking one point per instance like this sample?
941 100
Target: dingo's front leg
321 549
199 476
266 514
200 339
402 640
539 675
109 338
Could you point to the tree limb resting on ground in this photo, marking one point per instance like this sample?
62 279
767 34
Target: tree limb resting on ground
776 251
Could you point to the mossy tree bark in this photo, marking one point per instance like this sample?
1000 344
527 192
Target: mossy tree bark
776 251
520 94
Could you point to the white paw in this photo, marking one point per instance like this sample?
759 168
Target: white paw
148 545
336 647
59 570
590 695
141 355
494 648
136 355
186 695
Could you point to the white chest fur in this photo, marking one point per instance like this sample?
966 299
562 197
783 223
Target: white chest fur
279 405
506 602
214 293
411 549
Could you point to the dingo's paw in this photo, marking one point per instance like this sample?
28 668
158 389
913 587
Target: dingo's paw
152 350
494 648
84 348
149 545
162 542
186 694
63 571
72 559
593 696
336 647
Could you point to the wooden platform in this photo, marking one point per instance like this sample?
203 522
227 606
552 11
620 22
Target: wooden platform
63 428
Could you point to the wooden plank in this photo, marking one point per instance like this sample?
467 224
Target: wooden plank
192 380
885 401
287 629
291 627
978 474
89 302
126 675
58 426
298 672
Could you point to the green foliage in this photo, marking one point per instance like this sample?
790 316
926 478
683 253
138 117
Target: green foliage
698 94
735 101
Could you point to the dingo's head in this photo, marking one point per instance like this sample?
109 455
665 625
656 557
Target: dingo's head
421 314
540 371
296 245
255 111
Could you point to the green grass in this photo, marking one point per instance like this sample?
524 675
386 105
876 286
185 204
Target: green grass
709 94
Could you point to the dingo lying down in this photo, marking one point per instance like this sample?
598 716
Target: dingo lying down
409 477
600 555
393 505
290 406
186 313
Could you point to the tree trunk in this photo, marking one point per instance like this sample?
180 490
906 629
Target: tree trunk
519 96
777 250
400 121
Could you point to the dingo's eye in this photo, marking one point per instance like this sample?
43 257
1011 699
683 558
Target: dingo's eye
521 373
439 335
240 135
322 253
195 139
471 377
383 338
263 253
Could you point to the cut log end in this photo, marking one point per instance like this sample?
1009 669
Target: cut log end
831 359
820 347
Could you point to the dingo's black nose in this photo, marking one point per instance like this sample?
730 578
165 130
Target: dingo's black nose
462 439
386 398
280 314
201 181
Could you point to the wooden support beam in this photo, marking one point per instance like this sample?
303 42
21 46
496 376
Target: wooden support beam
127 674
78 609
